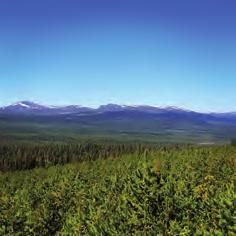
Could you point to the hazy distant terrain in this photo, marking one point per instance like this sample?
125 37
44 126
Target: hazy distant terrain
26 121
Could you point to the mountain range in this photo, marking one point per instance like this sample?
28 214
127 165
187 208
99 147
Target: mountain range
32 107
119 122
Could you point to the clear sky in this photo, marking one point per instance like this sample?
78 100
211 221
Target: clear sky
180 53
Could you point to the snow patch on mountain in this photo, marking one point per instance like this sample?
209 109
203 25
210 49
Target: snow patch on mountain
21 104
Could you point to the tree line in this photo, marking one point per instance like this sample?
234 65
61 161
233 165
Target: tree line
23 157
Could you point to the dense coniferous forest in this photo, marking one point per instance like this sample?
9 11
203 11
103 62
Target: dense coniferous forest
22 157
96 189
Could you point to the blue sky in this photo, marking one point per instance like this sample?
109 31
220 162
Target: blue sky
180 53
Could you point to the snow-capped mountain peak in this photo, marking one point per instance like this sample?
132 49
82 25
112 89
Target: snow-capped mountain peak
32 107
25 105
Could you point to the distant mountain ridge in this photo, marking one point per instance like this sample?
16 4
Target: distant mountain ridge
32 107
112 120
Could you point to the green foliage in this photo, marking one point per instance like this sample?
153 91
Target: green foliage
22 157
169 191
233 142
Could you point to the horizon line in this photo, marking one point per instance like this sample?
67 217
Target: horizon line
118 104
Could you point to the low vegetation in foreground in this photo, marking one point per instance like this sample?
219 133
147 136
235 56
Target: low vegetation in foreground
159 191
